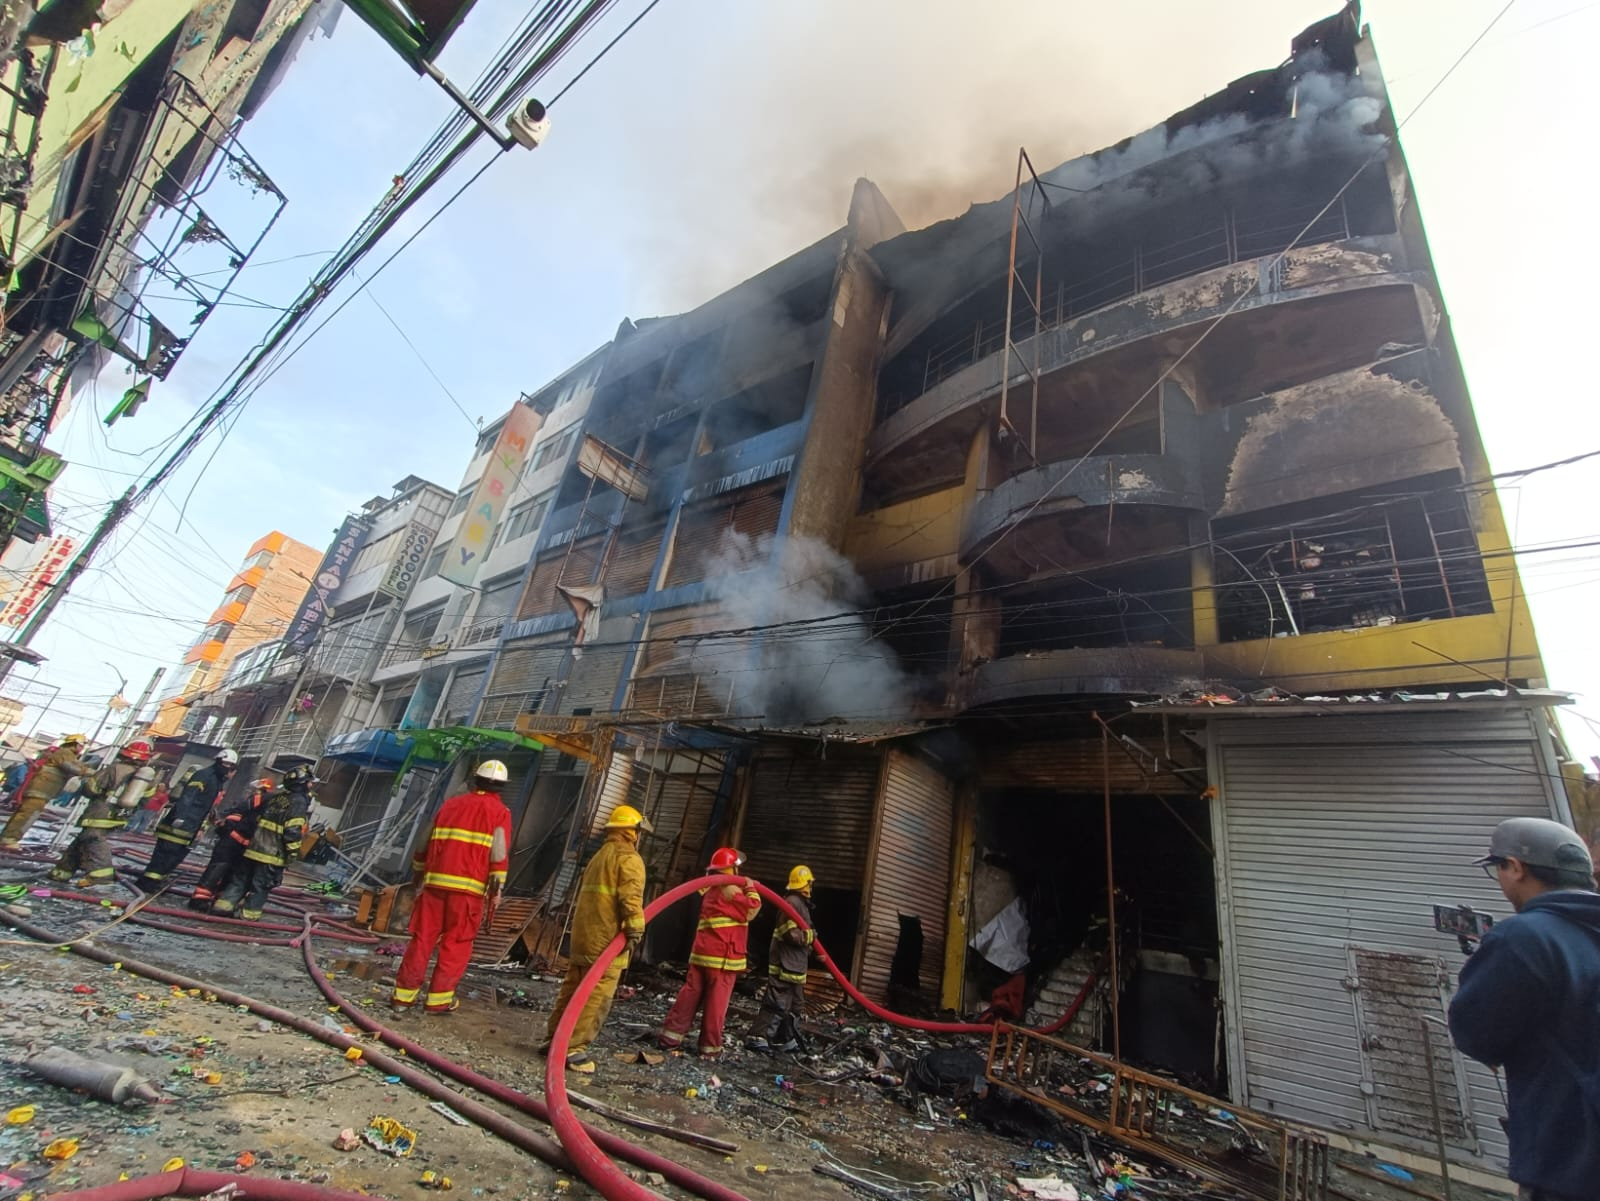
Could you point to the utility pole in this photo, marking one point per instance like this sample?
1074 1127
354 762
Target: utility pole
57 591
138 708
122 686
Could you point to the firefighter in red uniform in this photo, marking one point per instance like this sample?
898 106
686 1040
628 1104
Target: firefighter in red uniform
716 958
459 870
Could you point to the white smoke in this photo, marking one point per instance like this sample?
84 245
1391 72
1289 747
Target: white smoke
820 661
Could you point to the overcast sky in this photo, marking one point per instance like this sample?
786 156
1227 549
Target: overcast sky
721 136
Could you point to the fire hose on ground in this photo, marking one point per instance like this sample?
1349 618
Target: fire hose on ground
583 1144
191 1182
599 1171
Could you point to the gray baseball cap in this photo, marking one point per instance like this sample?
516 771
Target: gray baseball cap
1540 843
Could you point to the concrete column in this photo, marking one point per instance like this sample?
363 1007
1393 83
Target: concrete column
1202 578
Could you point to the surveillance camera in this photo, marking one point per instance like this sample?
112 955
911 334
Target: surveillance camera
528 123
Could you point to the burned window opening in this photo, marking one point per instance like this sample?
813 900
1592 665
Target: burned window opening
915 623
767 406
1359 562
690 368
670 445
1147 605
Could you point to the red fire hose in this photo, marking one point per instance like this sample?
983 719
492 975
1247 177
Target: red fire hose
610 1143
599 1171
191 1182
337 929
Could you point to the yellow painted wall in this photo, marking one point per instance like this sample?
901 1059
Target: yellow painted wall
924 528
79 89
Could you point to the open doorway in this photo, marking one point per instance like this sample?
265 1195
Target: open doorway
1047 849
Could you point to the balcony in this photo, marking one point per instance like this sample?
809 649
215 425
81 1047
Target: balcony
298 738
1094 671
1318 310
204 652
1071 487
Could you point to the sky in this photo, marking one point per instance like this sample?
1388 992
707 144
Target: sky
720 136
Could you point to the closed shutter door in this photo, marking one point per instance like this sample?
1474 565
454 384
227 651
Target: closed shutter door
679 802
628 573
593 682
749 511
463 691
804 809
1337 835
540 597
910 873
584 560
677 671
521 677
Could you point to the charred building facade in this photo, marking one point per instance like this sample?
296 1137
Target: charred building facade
1103 592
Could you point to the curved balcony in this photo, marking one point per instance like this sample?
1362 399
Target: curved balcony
1112 671
1074 485
1316 311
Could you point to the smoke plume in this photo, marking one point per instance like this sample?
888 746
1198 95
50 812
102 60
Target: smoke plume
823 662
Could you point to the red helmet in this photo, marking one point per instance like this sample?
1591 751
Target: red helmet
138 752
725 859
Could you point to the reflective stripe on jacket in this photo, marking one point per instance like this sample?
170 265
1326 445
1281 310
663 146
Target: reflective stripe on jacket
280 828
468 846
610 899
791 944
102 789
723 934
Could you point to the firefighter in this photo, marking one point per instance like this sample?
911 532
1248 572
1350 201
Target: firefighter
610 902
784 998
184 819
458 870
114 791
236 826
715 959
280 827
45 780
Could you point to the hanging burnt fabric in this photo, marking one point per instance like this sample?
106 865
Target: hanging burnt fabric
908 881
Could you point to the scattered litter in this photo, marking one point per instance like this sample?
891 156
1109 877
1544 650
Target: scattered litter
1390 1169
225 1193
353 1054
1048 1188
762 1168
20 1116
434 1180
329 1025
245 1161
391 1080
83 990
346 1140
691 1093
264 1026
60 1148
173 1164
445 1112
389 1136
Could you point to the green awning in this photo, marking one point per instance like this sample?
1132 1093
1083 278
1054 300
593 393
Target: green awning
416 29
33 522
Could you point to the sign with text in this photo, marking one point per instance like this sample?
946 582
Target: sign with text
46 567
495 486
336 563
406 569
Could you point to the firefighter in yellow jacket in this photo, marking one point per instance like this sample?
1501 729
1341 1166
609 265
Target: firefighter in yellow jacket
44 782
610 902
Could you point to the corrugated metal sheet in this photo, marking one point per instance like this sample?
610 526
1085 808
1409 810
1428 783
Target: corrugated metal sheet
1344 831
806 809
462 692
910 872
593 680
682 695
750 511
1076 765
628 573
584 560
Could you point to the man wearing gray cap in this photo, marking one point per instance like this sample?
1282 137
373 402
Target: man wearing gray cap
1529 1001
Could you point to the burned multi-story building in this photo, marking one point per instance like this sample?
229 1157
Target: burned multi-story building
1104 592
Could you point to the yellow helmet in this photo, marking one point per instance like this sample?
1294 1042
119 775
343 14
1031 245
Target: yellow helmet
800 877
626 817
70 739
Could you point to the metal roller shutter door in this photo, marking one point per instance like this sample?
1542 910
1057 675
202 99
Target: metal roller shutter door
540 596
1337 835
594 677
910 873
628 573
1077 764
520 675
750 511
803 809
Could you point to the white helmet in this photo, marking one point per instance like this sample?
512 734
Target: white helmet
228 757
492 770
